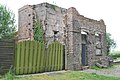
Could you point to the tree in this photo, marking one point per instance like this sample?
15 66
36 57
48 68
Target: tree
110 43
7 23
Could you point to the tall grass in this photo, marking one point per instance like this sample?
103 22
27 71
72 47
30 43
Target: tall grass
9 75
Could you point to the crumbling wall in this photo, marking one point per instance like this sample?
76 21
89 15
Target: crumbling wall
54 23
49 15
73 41
25 29
91 27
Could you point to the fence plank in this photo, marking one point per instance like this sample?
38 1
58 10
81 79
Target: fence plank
58 57
49 55
47 59
50 59
17 58
61 57
26 56
31 57
50 52
43 58
53 56
56 44
22 57
41 54
38 57
52 46
34 56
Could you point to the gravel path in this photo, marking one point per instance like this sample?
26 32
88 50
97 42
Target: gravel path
107 72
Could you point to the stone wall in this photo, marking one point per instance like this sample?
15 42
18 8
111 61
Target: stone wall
25 29
91 27
51 17
73 41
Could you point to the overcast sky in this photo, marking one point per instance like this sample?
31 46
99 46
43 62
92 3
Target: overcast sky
108 10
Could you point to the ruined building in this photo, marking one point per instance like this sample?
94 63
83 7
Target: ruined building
84 38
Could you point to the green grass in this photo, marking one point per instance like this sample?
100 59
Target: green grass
115 53
69 75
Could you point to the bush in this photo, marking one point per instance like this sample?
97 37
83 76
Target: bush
115 55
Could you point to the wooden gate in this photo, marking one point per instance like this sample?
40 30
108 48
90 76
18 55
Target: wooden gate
54 57
33 57
6 55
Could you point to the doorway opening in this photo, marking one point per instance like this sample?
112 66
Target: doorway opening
84 56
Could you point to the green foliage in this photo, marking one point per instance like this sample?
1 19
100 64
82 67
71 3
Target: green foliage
115 54
95 67
9 75
110 42
38 31
7 23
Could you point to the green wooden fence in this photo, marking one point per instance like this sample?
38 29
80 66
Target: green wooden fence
54 57
33 57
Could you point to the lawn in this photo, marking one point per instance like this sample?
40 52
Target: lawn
69 75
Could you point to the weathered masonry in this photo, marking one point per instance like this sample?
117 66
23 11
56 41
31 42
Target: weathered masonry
84 38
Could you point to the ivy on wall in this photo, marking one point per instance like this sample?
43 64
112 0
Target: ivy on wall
38 31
